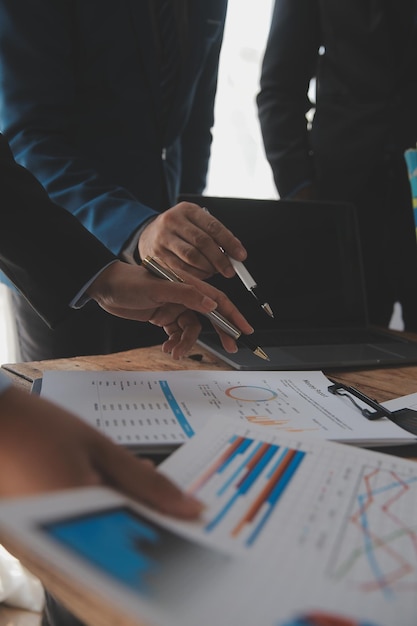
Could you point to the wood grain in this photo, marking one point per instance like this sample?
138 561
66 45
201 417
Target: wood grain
145 359
382 383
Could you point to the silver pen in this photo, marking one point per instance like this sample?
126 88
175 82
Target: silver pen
248 281
162 271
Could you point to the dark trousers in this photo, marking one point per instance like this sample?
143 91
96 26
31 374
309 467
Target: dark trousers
387 232
56 615
389 245
86 331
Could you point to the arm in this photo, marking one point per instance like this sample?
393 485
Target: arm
44 250
130 291
39 100
184 236
51 270
288 66
44 448
46 79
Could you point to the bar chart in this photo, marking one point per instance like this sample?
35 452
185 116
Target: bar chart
246 481
313 526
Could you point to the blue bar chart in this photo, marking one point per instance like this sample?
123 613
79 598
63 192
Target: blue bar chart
248 479
337 519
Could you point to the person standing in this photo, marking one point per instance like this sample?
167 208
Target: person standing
57 276
362 55
115 127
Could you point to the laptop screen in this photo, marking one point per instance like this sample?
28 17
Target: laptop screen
305 257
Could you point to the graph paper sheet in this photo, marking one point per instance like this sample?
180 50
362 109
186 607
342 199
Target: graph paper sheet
294 529
313 526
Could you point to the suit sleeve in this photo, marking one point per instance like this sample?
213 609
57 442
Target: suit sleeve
288 65
44 250
39 86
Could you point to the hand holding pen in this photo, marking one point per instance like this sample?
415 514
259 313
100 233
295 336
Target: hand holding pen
155 267
191 240
248 281
198 245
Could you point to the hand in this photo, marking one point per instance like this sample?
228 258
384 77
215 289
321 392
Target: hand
45 448
188 238
130 291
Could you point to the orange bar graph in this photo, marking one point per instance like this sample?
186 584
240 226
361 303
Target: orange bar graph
215 466
256 505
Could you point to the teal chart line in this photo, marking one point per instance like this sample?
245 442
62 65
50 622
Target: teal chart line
388 543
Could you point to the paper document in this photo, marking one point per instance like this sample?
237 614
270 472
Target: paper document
293 528
409 401
162 410
310 526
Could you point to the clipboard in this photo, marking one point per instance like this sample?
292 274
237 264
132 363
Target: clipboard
404 418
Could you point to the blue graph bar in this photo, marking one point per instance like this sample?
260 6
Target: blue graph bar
175 408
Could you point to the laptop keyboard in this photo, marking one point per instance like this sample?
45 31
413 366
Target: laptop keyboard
310 337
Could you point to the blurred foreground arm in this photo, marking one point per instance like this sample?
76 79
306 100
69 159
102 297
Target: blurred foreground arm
44 448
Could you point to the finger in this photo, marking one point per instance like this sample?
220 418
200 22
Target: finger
190 238
223 238
182 335
200 252
193 296
224 305
143 482
228 343
172 236
159 301
169 345
193 252
199 244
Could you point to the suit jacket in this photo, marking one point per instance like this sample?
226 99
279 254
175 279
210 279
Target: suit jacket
44 250
79 105
366 91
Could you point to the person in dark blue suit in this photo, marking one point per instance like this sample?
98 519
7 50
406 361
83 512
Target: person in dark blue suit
42 446
58 275
84 107
363 57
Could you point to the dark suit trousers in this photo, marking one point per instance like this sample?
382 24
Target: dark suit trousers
56 615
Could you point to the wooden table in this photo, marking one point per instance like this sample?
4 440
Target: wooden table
146 359
381 384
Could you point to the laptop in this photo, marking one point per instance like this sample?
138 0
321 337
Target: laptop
306 258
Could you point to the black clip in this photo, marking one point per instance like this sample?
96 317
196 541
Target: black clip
340 389
405 418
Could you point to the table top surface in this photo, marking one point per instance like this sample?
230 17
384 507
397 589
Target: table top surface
382 383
